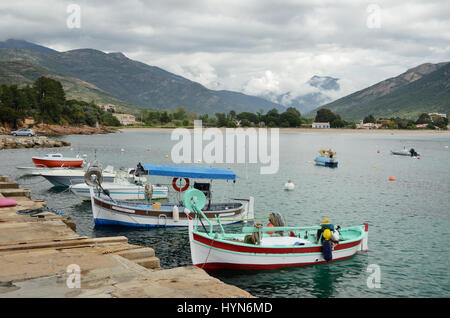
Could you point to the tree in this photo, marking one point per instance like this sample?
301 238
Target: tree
179 113
291 118
369 119
424 118
51 109
165 118
222 120
47 87
246 118
325 115
272 118
8 115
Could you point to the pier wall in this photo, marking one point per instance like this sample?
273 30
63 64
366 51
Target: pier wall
41 255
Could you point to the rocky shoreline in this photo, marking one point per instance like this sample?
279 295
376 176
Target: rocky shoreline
10 142
60 130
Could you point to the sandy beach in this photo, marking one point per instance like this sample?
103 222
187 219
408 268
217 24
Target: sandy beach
329 131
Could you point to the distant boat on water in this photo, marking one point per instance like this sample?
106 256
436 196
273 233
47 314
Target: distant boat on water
410 153
327 158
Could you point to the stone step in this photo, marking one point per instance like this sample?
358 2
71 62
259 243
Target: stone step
70 243
138 253
9 185
15 192
148 262
4 179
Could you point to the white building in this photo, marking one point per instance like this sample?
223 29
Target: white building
320 125
437 114
125 119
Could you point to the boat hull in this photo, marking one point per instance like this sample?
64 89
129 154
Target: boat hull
121 192
210 254
107 212
52 163
325 162
403 153
59 180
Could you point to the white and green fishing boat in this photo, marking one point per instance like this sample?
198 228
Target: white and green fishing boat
262 247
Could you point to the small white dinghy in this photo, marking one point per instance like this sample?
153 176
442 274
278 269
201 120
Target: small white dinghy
123 189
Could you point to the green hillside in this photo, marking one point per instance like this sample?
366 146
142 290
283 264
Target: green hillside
136 83
425 88
22 73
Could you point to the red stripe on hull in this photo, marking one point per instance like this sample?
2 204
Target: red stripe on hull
56 163
268 250
232 266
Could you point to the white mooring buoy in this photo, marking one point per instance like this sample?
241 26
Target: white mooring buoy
289 185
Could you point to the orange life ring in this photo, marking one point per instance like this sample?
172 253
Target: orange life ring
177 188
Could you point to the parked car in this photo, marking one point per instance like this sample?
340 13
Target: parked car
23 132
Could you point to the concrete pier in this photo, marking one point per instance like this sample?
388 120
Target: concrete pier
41 255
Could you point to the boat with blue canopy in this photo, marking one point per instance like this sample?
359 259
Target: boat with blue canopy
107 211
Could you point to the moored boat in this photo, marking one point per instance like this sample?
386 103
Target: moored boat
122 189
254 248
326 158
67 177
405 152
57 160
108 211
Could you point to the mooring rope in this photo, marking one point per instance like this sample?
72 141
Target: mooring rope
40 210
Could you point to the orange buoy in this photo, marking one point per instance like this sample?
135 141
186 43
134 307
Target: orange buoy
270 225
418 158
391 178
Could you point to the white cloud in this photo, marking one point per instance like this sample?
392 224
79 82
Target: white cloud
254 46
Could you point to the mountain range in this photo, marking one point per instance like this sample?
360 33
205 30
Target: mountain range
93 75
114 76
318 89
425 88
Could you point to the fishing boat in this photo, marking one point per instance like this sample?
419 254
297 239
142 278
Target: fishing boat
125 187
405 152
108 211
263 247
57 160
37 171
326 158
69 176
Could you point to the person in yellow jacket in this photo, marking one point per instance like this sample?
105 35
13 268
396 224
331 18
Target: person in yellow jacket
324 226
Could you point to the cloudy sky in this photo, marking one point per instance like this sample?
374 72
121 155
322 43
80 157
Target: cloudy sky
252 46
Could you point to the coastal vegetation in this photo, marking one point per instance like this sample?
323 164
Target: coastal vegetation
291 118
45 101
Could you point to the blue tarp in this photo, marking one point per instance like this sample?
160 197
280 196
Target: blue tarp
190 172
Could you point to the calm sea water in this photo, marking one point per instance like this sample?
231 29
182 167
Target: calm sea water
409 219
